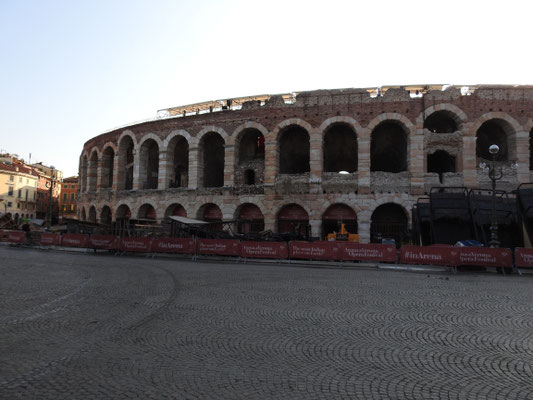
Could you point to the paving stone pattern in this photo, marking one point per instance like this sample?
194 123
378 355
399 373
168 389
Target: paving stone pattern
83 326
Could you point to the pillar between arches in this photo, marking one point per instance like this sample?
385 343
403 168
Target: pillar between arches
193 168
136 170
271 160
229 165
165 169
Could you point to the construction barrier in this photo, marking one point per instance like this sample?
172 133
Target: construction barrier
173 245
18 237
50 239
75 240
427 255
315 250
482 256
219 247
136 244
264 250
369 252
103 242
523 258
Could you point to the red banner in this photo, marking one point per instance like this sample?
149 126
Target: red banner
315 250
427 255
75 240
264 250
50 239
221 247
523 257
143 245
16 237
105 242
369 252
482 256
173 245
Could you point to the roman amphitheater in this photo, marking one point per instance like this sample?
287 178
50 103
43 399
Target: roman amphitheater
305 161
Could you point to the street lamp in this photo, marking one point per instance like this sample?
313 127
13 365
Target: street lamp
50 185
495 174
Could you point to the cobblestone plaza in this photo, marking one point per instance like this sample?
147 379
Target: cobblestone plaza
84 326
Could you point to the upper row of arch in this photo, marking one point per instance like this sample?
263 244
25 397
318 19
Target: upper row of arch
455 112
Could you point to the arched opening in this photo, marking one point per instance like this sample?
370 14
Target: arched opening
149 164
440 162
440 122
83 215
492 132
211 160
92 214
249 177
250 148
389 221
531 150
123 211
338 214
146 211
108 159
105 215
175 210
250 219
211 213
294 151
340 149
92 173
388 148
83 174
180 162
125 163
294 220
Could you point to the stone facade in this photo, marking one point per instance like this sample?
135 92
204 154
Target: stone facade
400 115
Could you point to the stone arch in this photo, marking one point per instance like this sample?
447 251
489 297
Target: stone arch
338 213
339 146
92 214
212 128
389 146
106 215
292 218
250 218
211 159
406 124
147 211
84 166
274 135
177 148
126 149
149 149
92 170
123 211
175 209
294 150
249 150
108 165
389 220
179 132
458 115
239 131
496 128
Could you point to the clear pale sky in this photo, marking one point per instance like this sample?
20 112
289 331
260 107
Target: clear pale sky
70 70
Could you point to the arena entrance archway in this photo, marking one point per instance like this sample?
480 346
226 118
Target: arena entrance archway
293 219
147 211
338 214
389 220
105 215
176 210
250 218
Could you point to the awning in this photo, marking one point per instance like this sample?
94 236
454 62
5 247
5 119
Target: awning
188 221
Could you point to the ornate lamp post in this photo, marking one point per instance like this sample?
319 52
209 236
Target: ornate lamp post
50 185
495 174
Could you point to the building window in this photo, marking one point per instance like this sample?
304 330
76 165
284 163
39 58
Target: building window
9 204
18 205
64 197
10 191
26 194
11 178
72 197
19 193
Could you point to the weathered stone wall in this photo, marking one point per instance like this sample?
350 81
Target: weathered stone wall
315 191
